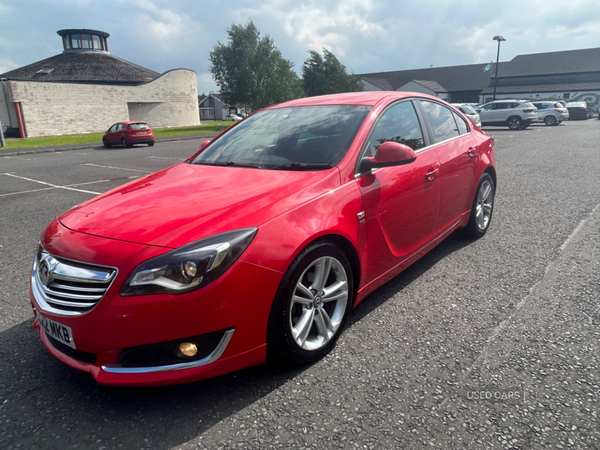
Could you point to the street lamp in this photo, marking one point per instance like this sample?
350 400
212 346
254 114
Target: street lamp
499 39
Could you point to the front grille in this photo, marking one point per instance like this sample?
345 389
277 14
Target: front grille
67 287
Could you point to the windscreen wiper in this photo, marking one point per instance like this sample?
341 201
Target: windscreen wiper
228 163
300 166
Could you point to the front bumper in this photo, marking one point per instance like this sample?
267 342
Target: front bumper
237 304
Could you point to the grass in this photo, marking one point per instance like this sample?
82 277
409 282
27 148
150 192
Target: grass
97 137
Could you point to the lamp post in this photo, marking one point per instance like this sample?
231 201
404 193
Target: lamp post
499 39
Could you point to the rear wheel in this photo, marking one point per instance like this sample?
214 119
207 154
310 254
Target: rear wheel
482 208
550 121
124 143
515 123
105 143
150 144
311 305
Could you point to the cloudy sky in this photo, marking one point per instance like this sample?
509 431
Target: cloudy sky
365 35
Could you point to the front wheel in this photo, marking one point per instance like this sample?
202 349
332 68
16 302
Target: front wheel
515 123
105 143
482 208
311 305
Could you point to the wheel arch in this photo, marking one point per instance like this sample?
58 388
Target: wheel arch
492 172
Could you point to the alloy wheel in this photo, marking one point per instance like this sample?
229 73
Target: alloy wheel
318 303
484 206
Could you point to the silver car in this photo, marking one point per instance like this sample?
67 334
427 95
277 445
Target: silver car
516 114
551 112
468 111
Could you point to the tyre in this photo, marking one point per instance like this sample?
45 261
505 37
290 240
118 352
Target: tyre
150 144
311 305
124 143
482 208
105 143
515 123
550 121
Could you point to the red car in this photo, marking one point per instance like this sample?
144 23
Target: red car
261 243
126 134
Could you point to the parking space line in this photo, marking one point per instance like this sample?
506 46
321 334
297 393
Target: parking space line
118 168
163 157
51 185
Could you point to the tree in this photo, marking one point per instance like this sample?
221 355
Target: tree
249 69
326 75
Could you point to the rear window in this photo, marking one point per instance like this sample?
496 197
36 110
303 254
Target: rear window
138 126
467 109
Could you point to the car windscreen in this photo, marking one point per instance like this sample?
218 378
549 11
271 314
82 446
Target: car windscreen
138 126
292 138
467 109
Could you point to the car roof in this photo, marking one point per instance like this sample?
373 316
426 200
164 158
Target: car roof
369 98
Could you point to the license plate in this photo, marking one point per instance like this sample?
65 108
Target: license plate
58 331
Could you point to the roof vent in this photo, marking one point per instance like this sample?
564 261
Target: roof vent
45 71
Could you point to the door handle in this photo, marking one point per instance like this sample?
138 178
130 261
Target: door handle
471 152
432 173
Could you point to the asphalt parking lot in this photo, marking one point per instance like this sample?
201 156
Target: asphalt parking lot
492 343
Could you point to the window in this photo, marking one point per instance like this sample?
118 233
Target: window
96 41
75 41
440 119
397 124
86 41
113 128
462 126
120 126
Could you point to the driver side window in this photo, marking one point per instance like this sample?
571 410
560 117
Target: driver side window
398 124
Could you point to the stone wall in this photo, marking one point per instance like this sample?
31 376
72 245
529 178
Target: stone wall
50 109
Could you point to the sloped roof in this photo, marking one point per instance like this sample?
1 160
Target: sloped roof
559 87
381 83
83 67
470 77
571 61
431 85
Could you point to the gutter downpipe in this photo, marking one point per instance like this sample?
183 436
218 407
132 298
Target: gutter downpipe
20 120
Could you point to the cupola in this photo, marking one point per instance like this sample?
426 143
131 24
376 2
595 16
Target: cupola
83 40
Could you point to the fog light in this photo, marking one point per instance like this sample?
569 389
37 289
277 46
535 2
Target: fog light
188 349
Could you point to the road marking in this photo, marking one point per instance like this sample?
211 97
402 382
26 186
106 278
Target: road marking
163 157
54 186
14 157
118 168
532 290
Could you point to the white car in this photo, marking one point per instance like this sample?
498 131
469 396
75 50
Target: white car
232 118
468 111
516 114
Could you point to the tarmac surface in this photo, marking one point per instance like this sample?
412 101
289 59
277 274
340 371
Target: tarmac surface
492 344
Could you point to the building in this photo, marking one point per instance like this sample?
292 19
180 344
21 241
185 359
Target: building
212 107
85 89
572 75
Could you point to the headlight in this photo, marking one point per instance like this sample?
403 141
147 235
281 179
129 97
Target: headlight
189 267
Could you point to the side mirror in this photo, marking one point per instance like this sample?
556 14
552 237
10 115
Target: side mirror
388 154
478 110
204 144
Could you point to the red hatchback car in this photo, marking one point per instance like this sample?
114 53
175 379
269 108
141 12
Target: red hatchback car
260 243
126 134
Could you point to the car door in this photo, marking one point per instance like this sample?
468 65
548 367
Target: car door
400 203
110 134
457 153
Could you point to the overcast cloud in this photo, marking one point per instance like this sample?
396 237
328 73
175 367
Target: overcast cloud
365 35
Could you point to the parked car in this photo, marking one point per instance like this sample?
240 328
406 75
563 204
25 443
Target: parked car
126 134
232 117
579 110
551 112
257 244
469 111
516 114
